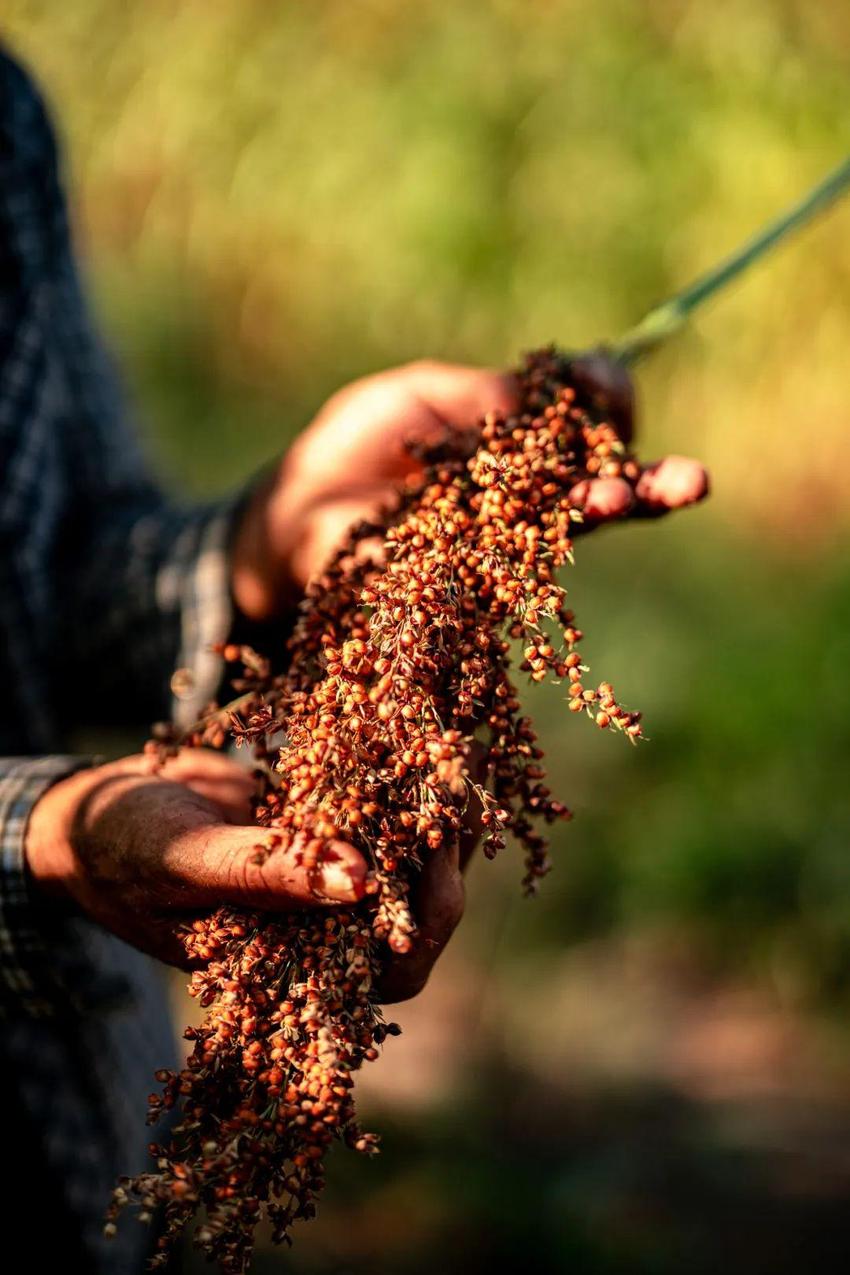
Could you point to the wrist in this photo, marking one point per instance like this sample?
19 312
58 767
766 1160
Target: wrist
263 582
48 852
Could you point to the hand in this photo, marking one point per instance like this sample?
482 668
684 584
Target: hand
344 467
140 849
350 460
347 464
438 901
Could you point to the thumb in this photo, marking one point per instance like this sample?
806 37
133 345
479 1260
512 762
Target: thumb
239 865
671 483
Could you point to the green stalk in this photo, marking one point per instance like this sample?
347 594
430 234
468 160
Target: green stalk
670 316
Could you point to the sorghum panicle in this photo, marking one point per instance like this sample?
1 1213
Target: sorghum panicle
395 667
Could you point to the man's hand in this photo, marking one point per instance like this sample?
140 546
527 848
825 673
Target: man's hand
139 850
350 460
346 466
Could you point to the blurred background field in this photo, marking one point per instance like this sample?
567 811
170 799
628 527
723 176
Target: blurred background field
647 1069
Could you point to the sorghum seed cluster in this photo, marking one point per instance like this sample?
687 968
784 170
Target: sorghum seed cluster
396 667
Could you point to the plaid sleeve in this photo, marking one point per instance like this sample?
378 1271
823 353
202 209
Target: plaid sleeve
201 585
209 615
143 607
45 966
148 595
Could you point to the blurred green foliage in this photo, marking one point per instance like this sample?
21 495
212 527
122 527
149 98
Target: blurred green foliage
274 198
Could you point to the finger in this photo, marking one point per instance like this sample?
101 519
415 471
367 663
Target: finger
414 402
196 763
672 483
159 936
232 798
229 786
431 397
222 782
438 906
460 395
327 526
601 500
606 386
230 865
187 763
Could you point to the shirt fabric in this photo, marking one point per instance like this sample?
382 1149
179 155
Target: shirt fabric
106 586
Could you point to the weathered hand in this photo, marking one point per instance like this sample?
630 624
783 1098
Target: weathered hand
345 466
349 461
140 849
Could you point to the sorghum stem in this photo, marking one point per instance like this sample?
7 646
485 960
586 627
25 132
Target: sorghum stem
666 319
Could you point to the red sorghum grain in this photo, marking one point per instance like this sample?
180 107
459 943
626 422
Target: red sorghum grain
394 669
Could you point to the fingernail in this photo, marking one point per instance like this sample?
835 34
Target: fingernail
673 482
684 480
608 498
338 882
